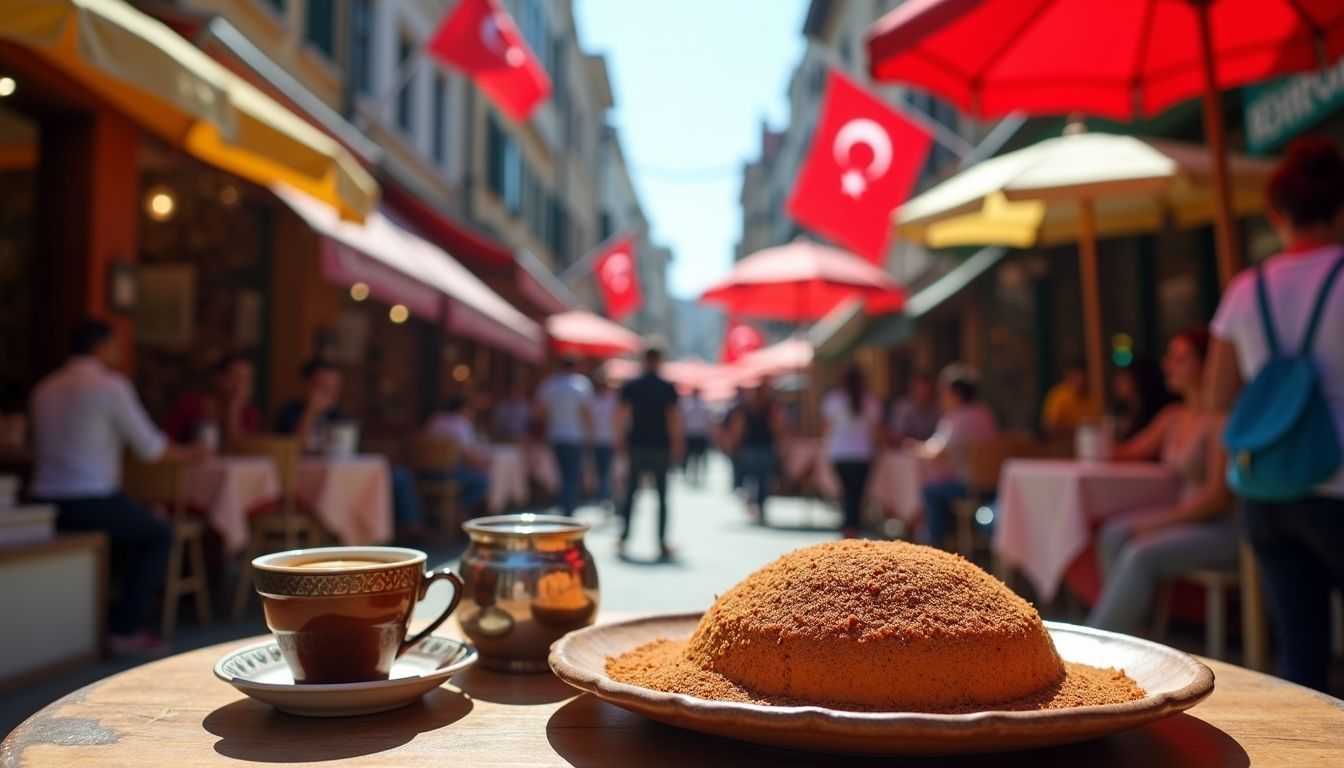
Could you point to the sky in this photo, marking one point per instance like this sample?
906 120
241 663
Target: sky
693 80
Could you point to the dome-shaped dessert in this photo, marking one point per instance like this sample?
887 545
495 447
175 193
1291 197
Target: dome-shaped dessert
877 625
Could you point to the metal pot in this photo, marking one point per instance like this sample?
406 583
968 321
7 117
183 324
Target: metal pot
529 581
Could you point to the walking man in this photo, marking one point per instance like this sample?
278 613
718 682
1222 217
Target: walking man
563 400
654 438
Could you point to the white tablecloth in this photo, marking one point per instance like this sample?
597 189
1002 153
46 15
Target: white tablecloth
894 481
508 478
1047 510
351 496
226 489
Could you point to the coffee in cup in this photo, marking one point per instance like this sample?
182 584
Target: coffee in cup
340 614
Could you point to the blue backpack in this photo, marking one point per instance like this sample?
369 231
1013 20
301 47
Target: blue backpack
1280 438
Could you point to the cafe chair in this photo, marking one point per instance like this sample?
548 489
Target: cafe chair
1218 585
286 523
986 461
162 484
433 460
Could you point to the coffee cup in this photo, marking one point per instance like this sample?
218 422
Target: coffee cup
340 614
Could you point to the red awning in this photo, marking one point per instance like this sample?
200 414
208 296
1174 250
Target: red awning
401 267
584 333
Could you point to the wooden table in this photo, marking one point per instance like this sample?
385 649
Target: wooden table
173 712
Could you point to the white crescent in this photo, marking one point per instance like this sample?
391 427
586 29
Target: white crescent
616 272
863 131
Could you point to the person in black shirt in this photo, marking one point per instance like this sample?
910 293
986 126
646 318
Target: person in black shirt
653 437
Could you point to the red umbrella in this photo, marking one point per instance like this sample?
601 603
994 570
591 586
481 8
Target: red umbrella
802 281
584 333
1115 58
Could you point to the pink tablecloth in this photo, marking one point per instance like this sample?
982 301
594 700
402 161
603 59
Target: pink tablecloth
1047 510
508 478
226 489
351 495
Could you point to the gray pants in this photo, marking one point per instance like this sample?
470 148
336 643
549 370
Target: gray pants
1132 568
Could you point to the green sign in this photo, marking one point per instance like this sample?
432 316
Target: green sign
1279 110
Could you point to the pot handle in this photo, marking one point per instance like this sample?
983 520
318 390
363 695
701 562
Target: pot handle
429 578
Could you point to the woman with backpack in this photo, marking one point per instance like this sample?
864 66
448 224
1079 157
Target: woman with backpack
1279 329
1139 549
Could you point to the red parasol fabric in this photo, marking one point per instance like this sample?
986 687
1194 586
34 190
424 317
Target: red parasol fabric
1120 58
802 281
584 333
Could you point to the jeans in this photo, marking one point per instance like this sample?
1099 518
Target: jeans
569 457
405 498
602 458
653 461
757 467
472 484
697 448
938 498
139 544
1133 567
1300 548
853 482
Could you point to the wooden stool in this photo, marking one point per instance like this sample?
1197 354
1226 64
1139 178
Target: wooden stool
285 526
161 484
1216 586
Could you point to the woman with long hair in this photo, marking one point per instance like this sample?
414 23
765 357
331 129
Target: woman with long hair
1139 549
852 420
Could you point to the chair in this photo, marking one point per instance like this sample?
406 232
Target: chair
433 460
163 484
986 460
285 525
1217 585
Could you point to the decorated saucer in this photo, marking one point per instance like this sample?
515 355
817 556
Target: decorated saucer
260 672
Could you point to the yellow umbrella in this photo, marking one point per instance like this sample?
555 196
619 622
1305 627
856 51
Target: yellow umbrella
176 91
1075 189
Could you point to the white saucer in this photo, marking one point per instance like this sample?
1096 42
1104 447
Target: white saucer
260 672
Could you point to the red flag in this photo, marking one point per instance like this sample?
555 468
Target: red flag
479 38
740 339
618 278
863 163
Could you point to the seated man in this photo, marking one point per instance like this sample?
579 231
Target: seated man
965 421
455 423
309 419
227 405
84 416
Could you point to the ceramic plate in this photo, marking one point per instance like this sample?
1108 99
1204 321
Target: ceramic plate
260 672
1174 681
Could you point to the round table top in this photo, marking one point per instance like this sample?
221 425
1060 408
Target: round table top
174 712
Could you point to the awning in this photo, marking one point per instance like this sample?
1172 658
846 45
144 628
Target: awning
539 286
177 92
954 281
401 267
580 332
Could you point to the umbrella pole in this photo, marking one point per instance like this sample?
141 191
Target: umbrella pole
1225 232
1087 269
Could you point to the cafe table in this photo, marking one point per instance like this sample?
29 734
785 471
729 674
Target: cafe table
226 489
351 496
174 712
507 478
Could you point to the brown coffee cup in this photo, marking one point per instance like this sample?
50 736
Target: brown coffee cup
340 614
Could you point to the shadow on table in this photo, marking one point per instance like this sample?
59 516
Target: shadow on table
512 688
591 732
250 730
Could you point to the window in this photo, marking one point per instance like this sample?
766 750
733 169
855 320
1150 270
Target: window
494 156
513 176
504 166
439 139
604 226
361 46
406 98
556 241
320 28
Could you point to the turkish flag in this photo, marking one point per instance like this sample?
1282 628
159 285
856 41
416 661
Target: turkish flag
618 278
739 339
863 163
479 39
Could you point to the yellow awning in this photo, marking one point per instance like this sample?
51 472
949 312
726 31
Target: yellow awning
176 91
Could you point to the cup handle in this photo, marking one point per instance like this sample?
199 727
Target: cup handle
429 578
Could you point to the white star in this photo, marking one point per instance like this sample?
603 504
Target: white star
853 184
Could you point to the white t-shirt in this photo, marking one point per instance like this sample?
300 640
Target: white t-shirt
602 410
1294 283
83 416
565 396
849 436
957 431
695 418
